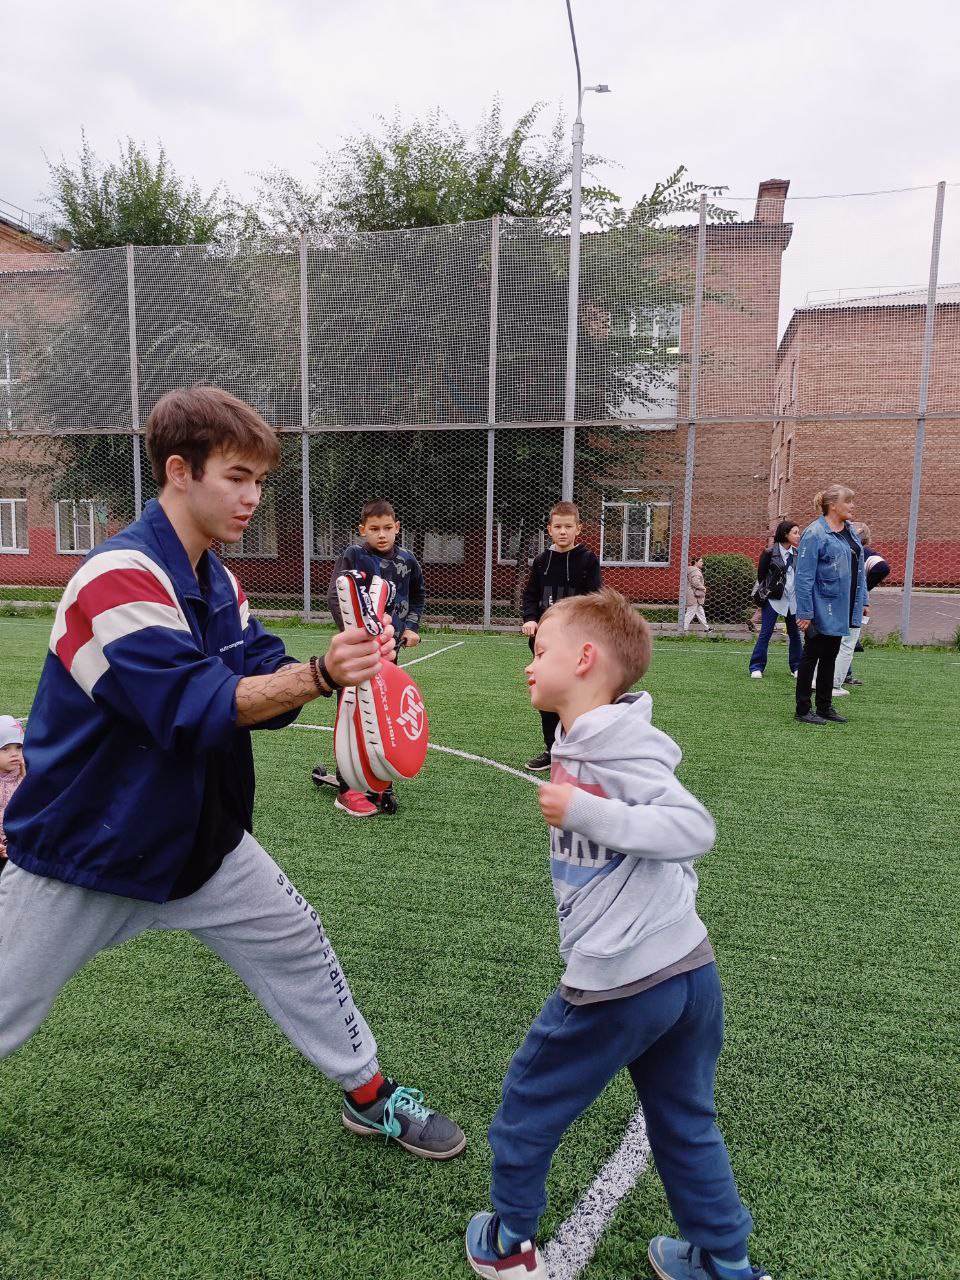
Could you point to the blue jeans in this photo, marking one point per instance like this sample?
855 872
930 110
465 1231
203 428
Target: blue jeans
758 659
669 1038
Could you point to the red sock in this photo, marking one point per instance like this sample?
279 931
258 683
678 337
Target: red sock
367 1093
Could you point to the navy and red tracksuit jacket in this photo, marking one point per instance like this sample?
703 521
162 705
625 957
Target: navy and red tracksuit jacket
137 690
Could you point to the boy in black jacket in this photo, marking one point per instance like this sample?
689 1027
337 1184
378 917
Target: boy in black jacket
566 568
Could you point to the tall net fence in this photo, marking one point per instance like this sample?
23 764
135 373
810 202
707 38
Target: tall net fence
714 397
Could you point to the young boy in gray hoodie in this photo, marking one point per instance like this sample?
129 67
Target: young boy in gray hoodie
640 989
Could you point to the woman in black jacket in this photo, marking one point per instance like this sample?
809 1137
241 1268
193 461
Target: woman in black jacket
776 569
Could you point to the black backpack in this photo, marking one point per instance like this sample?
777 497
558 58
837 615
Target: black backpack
773 585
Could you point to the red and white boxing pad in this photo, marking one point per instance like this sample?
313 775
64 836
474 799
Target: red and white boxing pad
393 722
382 730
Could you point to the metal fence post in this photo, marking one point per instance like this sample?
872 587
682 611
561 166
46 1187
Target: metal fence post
304 425
491 415
573 321
692 411
134 383
925 361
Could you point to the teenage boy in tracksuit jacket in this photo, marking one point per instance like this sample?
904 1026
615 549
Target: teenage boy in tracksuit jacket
566 568
136 808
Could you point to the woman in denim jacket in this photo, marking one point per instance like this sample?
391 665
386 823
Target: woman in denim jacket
831 592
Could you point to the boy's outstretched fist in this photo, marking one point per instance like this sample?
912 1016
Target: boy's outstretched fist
555 800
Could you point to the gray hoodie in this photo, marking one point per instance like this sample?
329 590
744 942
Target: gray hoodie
622 872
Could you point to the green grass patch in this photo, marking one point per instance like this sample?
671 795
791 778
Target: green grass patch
51 595
159 1125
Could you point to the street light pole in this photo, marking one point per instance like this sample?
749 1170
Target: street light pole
573 278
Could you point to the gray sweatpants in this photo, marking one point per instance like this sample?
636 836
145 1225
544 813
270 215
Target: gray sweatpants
248 913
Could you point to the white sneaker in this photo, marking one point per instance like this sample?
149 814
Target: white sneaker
841 693
794 674
756 675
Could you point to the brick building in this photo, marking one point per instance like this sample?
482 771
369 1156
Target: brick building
862 356
26 255
736 380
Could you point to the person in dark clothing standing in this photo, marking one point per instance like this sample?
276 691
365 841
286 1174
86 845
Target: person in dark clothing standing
876 569
377 554
776 574
831 591
566 568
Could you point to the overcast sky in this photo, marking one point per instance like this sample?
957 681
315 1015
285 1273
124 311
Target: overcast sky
836 95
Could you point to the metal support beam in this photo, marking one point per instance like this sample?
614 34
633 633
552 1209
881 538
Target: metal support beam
692 410
304 425
925 362
491 415
134 383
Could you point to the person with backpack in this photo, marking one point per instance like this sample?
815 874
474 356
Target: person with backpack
774 593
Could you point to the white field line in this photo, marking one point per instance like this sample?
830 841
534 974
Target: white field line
445 649
447 751
579 1234
577 1237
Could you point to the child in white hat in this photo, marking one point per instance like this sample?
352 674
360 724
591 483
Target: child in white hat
11 770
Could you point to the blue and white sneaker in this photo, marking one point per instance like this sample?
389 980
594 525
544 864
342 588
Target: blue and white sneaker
402 1116
678 1260
526 1263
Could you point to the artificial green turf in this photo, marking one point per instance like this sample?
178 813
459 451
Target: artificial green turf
158 1125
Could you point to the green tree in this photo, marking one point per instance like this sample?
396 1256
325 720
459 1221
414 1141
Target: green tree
135 199
431 172
386 350
196 305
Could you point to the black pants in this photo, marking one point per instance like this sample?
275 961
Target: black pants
819 651
549 720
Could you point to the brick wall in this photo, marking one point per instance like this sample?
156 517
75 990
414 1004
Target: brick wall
867 360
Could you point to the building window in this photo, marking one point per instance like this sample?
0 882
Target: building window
443 548
330 537
7 380
793 383
508 542
259 541
790 458
81 525
651 388
13 521
635 530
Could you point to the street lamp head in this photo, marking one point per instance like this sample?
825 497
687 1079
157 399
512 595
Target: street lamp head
598 88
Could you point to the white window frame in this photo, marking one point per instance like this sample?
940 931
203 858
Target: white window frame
7 381
631 413
17 509
83 517
540 543
448 548
264 521
329 539
622 505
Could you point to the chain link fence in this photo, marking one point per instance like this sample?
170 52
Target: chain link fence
428 367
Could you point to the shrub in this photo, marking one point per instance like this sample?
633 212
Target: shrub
729 579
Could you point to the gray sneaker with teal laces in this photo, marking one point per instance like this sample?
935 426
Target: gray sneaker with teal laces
402 1115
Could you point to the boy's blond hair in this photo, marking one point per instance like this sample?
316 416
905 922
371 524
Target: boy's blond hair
605 616
564 509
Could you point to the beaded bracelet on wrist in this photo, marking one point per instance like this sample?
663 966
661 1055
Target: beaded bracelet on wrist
320 679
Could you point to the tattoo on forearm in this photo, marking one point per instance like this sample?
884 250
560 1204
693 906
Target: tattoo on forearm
261 698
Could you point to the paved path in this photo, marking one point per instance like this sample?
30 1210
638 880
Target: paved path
934 615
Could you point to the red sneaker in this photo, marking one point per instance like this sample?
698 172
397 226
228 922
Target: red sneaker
356 804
